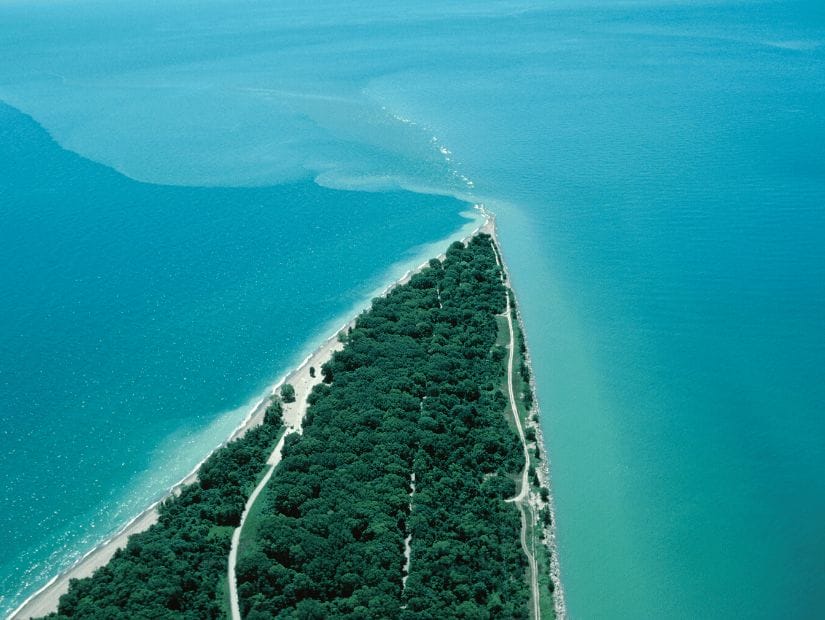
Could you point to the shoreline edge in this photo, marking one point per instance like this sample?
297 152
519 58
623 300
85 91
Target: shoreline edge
46 599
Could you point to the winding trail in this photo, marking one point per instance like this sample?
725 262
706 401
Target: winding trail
521 499
272 461
408 539
293 414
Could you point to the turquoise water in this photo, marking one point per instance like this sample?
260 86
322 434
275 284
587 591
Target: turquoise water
657 172
140 321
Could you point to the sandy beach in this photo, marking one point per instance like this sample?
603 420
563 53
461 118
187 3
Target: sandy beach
45 600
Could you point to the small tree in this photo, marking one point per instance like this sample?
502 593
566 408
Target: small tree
312 371
498 354
288 393
528 399
326 370
273 413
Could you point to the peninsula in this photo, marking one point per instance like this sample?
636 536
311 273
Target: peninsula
402 473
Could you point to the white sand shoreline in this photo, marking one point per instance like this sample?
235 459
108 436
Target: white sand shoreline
46 599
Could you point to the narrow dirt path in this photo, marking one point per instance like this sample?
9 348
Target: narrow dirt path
293 416
408 539
521 498
273 461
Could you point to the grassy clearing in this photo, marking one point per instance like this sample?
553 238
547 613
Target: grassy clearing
223 597
247 540
503 338
250 526
520 386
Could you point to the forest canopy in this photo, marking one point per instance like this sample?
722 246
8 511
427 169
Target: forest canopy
405 442
415 390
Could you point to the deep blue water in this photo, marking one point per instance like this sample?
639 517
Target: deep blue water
657 170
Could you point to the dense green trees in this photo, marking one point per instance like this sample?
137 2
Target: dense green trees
412 391
173 569
288 393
